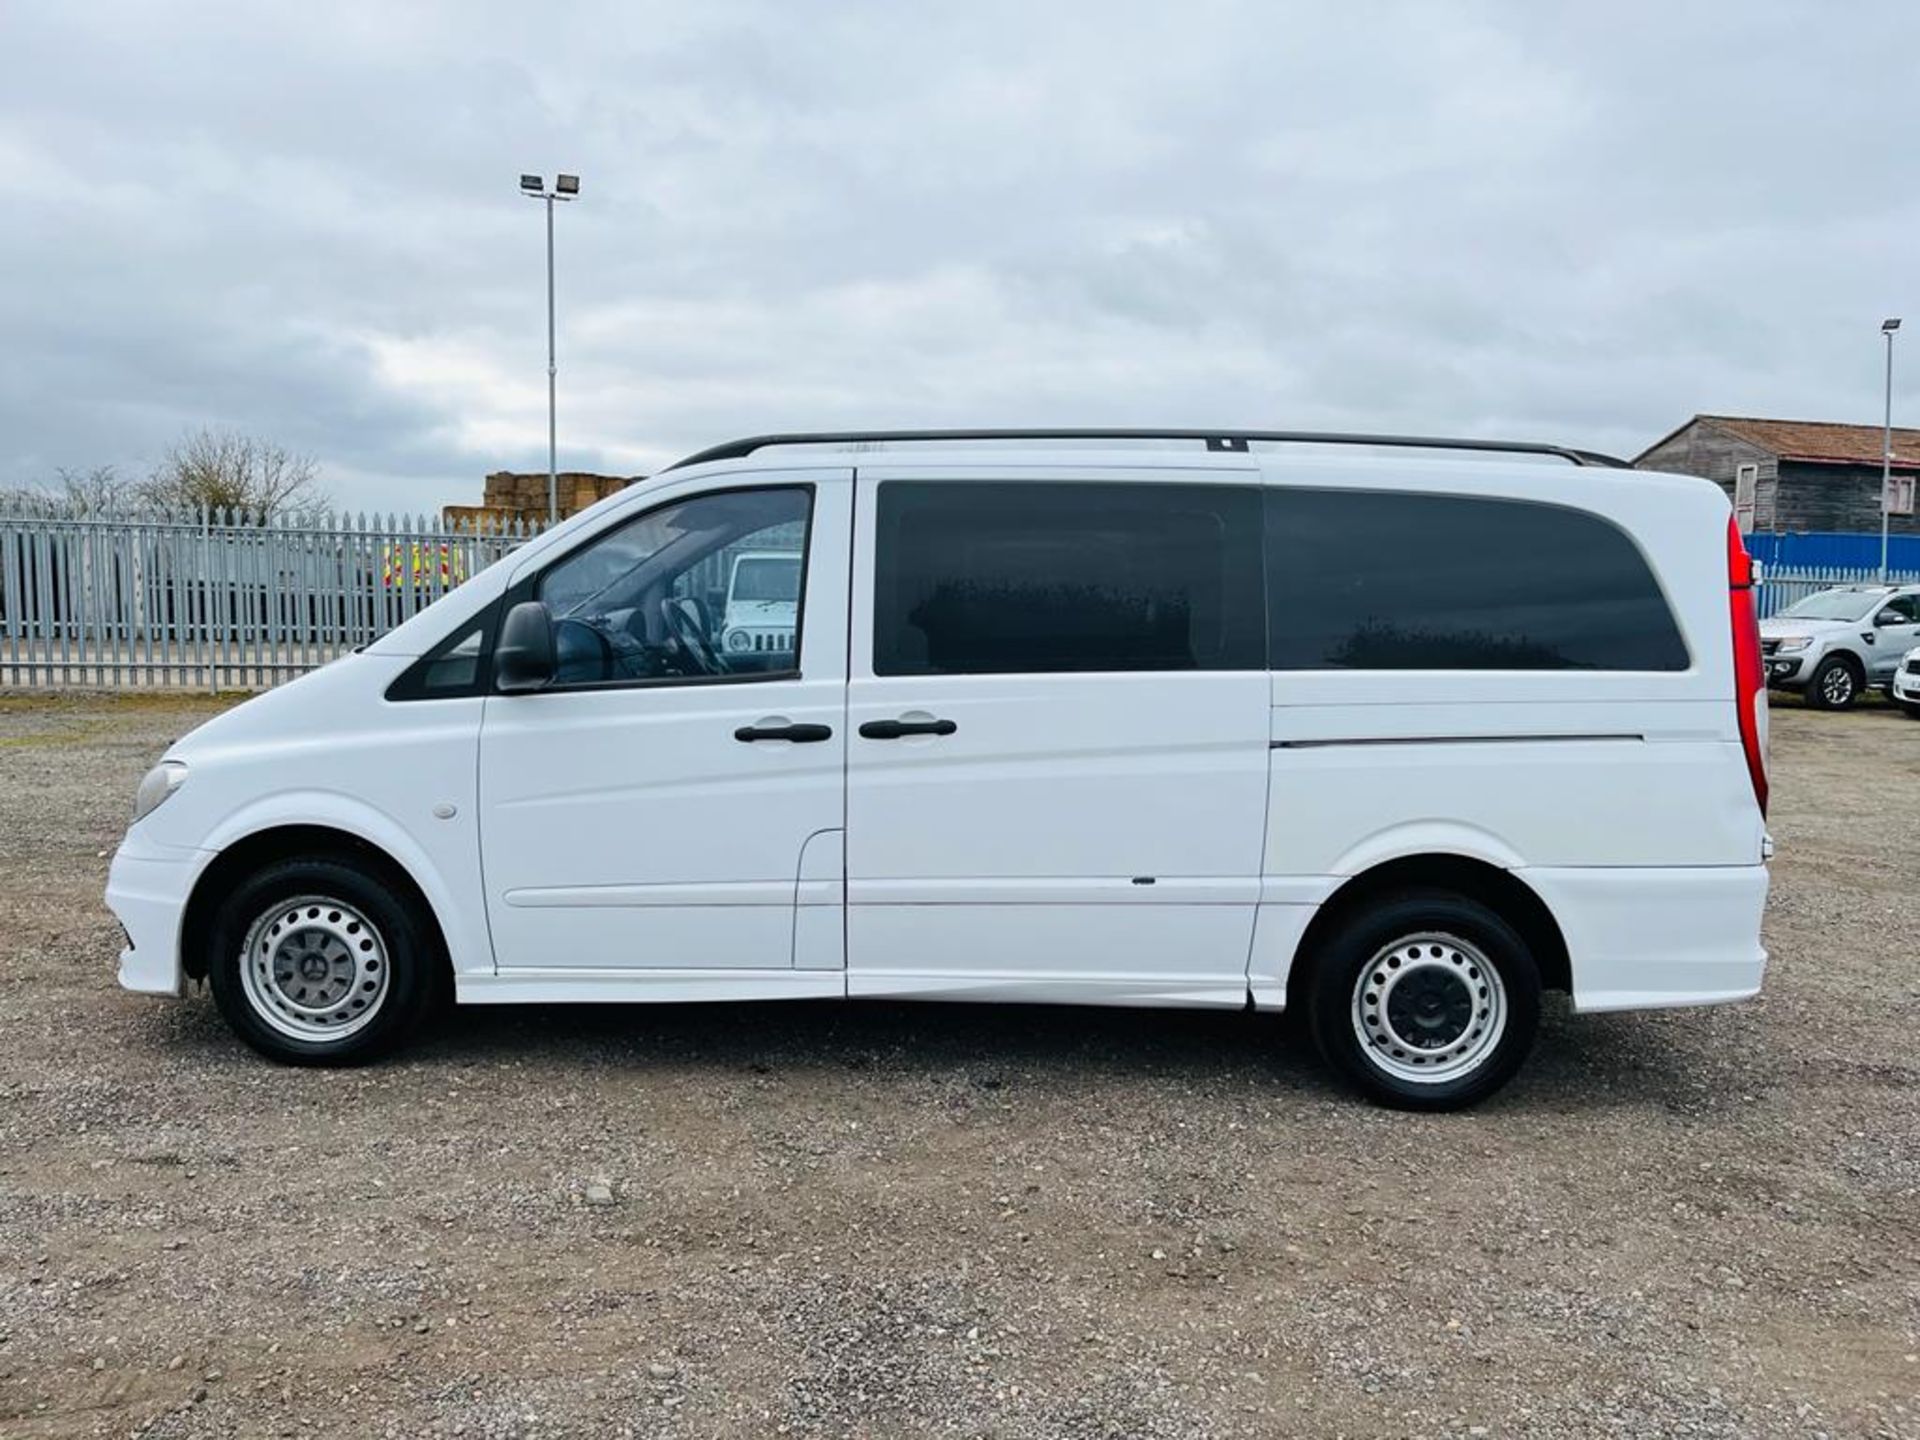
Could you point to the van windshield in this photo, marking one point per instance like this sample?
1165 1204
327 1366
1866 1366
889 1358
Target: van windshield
1834 605
766 577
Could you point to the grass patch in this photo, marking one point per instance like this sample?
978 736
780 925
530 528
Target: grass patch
141 702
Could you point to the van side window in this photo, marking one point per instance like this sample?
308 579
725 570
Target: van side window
450 669
1381 580
454 669
697 589
994 577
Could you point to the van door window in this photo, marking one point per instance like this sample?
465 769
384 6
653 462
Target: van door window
1033 577
697 589
1386 580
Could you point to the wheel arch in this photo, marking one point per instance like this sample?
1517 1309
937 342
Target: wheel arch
251 851
1493 886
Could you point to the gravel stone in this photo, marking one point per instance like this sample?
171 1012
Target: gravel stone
891 1220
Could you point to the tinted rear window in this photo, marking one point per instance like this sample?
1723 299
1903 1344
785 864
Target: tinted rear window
1020 578
1375 580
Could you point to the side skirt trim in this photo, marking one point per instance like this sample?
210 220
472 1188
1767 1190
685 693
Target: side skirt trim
551 987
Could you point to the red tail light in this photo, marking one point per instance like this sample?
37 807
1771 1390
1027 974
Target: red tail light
1749 674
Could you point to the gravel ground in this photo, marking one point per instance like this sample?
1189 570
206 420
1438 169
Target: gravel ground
884 1220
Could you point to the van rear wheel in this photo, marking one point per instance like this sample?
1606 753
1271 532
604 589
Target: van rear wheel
1427 1000
318 961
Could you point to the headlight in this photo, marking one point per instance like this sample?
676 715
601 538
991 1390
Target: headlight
161 781
1793 643
739 640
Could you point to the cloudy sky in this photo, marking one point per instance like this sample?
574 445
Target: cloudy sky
1581 222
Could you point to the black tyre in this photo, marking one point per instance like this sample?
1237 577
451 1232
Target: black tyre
1835 684
1427 1000
317 960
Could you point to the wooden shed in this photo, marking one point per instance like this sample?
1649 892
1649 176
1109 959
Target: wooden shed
1795 475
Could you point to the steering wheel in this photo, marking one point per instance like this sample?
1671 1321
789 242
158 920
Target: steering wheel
683 623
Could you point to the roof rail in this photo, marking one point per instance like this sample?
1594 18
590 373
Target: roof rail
1234 441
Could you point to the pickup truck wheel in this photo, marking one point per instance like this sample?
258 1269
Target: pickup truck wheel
1428 1000
317 961
1835 684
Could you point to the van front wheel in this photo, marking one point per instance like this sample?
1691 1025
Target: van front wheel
315 961
1428 1000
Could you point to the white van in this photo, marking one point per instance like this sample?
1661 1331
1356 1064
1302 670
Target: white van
1397 739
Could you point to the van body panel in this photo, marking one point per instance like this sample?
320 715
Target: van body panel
629 829
1646 939
1090 835
1114 778
820 903
1638 776
627 826
1101 955
329 749
148 884
1341 808
551 985
1278 928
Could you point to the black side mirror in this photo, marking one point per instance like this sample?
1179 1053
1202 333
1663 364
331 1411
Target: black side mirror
1890 617
523 658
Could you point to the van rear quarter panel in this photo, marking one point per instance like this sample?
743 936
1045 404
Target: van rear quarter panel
1525 768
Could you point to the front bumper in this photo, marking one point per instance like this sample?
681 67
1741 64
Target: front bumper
147 889
1906 686
1788 669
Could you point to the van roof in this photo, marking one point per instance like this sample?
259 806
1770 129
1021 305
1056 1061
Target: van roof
1236 442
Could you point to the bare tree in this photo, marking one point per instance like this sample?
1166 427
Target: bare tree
98 489
226 470
89 492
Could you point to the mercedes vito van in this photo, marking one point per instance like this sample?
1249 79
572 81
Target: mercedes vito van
1398 736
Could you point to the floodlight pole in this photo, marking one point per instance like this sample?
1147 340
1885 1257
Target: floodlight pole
553 423
1886 450
565 187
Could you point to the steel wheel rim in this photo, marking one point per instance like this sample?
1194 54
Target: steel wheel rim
1429 1008
1837 687
315 968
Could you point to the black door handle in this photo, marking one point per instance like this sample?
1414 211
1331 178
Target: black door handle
798 734
894 729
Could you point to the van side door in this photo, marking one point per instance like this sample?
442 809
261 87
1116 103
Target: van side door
1057 760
